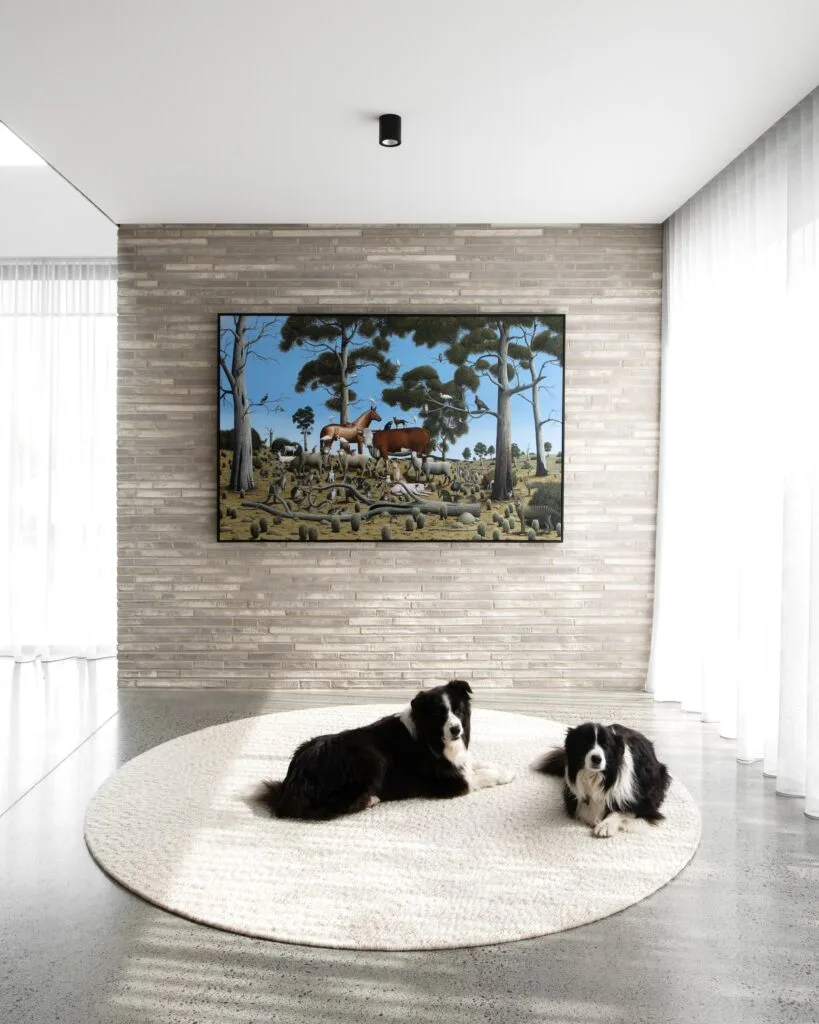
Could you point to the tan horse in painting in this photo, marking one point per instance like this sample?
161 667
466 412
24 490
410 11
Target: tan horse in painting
348 431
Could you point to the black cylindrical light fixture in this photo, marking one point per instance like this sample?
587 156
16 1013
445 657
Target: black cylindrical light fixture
389 130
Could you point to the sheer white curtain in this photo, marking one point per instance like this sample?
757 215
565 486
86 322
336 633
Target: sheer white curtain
736 620
58 460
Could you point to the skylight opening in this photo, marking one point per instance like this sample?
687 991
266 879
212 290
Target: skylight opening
15 153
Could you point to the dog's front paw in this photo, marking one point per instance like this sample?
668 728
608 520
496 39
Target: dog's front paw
489 775
504 775
606 828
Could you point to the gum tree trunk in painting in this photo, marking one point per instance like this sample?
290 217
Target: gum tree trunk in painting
503 484
344 380
540 468
544 339
241 473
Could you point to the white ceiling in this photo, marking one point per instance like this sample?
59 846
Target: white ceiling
515 111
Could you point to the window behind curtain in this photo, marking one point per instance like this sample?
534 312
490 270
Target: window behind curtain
58 459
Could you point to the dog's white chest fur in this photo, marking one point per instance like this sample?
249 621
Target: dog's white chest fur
591 796
456 752
594 801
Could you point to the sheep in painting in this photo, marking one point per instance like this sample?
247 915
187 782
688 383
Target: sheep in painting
349 462
307 460
434 467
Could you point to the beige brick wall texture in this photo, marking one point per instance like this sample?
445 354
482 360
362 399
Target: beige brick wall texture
196 613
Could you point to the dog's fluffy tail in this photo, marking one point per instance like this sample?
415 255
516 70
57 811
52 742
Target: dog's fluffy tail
269 795
554 763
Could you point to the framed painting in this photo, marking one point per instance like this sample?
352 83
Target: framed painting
365 427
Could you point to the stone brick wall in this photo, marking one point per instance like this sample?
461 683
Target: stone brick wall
196 613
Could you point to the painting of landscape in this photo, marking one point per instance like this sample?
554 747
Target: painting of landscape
367 427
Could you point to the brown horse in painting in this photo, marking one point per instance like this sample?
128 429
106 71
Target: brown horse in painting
348 431
417 439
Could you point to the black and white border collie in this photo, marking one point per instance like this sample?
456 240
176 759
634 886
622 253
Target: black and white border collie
612 779
421 752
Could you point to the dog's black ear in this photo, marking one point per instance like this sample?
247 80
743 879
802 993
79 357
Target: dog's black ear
419 699
461 686
617 737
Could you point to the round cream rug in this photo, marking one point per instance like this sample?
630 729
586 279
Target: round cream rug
174 826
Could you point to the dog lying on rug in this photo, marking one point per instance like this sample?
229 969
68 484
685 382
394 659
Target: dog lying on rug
421 752
612 779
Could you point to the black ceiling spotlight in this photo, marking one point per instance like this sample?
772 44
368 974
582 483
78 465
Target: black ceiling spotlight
389 130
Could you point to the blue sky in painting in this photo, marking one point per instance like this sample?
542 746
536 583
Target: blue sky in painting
275 375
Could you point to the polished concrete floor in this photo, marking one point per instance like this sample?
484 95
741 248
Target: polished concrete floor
735 938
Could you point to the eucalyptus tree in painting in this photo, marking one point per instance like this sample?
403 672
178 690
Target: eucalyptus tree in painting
239 342
497 350
440 404
305 420
339 348
543 342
